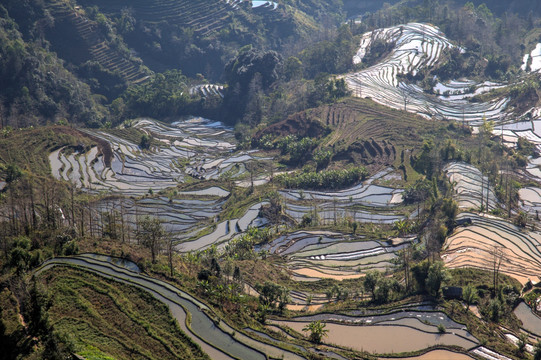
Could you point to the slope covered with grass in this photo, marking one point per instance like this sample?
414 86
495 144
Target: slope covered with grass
105 319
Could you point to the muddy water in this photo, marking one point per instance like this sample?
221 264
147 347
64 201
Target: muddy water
440 355
530 321
383 339
321 275
56 164
311 308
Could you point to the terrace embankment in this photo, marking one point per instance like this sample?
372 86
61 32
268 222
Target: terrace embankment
215 337
416 47
488 240
314 255
405 335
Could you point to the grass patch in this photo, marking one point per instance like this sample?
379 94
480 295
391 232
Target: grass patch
480 278
106 319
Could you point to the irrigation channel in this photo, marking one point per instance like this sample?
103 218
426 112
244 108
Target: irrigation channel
216 338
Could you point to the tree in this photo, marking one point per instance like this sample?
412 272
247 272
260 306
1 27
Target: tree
403 227
405 97
145 142
450 209
497 259
522 342
170 251
270 293
354 226
293 69
403 261
469 295
437 274
521 220
383 290
370 281
537 351
495 310
317 331
151 235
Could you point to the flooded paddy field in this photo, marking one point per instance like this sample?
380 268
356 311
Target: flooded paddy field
439 355
195 147
389 336
470 186
217 339
474 246
531 322
313 255
180 217
416 47
364 202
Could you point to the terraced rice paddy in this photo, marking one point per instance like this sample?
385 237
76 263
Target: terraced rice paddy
181 218
314 255
470 186
270 5
431 317
529 130
207 150
214 338
530 321
389 333
417 46
365 202
208 147
225 231
488 354
534 58
205 17
530 199
475 246
206 90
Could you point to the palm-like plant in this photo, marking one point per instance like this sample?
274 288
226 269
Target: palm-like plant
469 294
317 331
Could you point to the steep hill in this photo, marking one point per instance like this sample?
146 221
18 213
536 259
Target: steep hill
199 36
89 42
35 87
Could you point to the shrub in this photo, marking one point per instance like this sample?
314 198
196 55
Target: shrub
441 329
330 179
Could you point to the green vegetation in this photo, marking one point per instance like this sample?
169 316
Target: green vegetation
36 87
133 318
163 95
317 331
327 179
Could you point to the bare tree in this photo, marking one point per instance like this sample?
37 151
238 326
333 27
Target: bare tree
405 98
497 258
152 235
170 250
